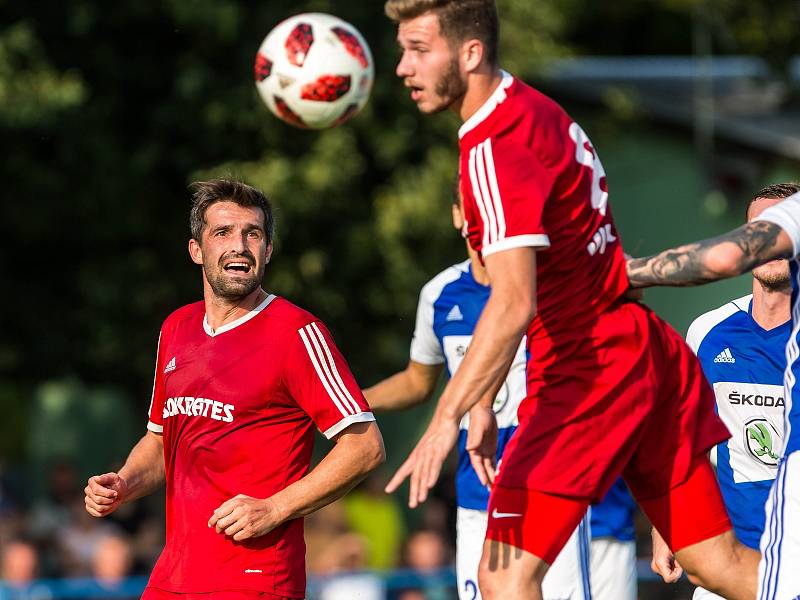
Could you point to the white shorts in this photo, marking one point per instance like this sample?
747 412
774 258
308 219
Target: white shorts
613 572
778 573
567 578
704 594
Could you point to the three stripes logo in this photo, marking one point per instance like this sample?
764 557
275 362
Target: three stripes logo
325 366
725 357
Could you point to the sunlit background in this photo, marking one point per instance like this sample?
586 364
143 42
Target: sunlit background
109 110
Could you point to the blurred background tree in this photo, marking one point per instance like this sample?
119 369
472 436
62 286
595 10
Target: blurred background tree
106 114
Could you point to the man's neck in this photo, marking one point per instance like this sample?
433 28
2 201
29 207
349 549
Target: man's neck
771 307
221 311
480 86
479 273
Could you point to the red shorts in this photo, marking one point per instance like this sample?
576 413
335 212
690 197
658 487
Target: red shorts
152 593
542 523
628 397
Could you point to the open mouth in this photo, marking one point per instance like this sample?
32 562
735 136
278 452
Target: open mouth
237 266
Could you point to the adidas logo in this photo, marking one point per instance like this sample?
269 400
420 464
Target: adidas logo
170 366
725 357
455 314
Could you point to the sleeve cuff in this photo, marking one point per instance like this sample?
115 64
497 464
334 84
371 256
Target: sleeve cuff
362 417
538 240
155 427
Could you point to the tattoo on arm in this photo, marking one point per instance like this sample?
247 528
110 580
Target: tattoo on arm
728 255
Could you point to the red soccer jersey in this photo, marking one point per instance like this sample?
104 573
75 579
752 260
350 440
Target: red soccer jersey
237 407
530 177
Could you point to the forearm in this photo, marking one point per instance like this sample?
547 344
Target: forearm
409 387
143 471
354 455
485 366
728 255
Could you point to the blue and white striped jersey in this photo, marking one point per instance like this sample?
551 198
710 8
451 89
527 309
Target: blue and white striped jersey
448 311
745 365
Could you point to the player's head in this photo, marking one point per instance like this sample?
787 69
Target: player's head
442 42
774 274
232 228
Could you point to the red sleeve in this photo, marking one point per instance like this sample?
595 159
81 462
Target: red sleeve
321 383
505 189
155 413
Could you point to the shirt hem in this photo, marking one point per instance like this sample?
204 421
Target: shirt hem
276 592
155 427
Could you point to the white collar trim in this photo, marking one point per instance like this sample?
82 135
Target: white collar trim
498 95
241 320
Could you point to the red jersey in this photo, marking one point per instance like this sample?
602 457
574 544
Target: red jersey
530 177
237 407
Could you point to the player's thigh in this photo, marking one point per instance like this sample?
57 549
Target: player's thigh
568 578
688 513
525 533
779 576
470 535
613 569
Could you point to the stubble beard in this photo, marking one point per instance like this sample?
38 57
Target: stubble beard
773 280
450 87
228 288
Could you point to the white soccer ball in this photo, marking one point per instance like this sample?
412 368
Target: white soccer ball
314 70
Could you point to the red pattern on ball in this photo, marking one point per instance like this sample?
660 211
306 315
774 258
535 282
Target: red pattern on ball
352 45
287 114
326 88
298 43
263 67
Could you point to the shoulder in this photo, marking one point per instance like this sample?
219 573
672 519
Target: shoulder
189 312
705 323
288 316
434 289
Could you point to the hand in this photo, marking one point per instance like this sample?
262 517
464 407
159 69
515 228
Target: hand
664 562
104 494
425 462
243 517
482 442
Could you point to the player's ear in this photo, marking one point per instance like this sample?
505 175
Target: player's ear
195 252
471 54
269 252
458 217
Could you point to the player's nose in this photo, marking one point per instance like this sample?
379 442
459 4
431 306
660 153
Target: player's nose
404 67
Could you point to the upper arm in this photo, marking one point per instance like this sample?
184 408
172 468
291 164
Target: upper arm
361 441
320 382
424 377
785 214
513 275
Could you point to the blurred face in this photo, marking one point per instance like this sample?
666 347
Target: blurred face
775 273
233 249
428 66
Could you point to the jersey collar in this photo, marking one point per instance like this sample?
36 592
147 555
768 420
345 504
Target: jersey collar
498 95
241 320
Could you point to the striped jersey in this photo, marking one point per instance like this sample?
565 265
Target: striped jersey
530 177
786 214
745 365
237 407
448 311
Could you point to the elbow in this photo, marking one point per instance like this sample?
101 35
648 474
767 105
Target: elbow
726 262
373 453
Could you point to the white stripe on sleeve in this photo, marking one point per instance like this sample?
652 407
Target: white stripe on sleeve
337 378
153 394
476 191
495 190
320 373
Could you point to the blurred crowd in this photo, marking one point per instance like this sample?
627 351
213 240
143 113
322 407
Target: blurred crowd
354 546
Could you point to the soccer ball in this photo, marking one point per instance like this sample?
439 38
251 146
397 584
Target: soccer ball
314 70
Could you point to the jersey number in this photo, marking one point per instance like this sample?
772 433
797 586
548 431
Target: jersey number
586 155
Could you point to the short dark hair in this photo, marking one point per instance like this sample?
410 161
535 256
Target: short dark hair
459 20
776 191
206 193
